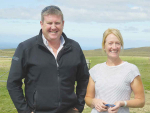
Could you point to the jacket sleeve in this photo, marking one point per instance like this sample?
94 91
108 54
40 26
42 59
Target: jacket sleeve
82 81
14 82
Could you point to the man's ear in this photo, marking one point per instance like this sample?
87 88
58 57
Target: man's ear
63 23
41 24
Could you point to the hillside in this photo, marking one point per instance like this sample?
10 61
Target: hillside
142 51
7 52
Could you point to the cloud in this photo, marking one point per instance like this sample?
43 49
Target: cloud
107 11
20 13
146 30
131 29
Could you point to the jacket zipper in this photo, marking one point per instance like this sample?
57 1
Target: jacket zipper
35 97
58 84
58 57
58 75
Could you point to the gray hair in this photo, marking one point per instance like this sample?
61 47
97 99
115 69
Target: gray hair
51 10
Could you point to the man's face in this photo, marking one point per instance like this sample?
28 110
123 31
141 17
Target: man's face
52 27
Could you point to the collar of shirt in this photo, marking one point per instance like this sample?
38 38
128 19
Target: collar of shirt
62 41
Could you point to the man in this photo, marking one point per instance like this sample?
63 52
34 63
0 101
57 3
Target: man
50 63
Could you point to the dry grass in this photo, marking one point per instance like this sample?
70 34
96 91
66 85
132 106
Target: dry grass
143 51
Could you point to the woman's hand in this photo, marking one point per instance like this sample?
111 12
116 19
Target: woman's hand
99 105
115 109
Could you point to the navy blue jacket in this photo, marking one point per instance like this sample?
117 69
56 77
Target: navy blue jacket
48 88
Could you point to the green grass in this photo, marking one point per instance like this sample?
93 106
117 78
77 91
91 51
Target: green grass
7 52
6 105
4 68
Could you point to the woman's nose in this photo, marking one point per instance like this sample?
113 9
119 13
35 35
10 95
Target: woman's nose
114 46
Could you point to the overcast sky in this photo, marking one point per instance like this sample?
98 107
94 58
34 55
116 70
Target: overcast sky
85 20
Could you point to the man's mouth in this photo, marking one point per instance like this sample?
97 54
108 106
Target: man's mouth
53 31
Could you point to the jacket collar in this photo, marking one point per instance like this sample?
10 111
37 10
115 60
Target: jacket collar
40 40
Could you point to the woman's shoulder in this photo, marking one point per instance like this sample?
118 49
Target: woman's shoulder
98 65
131 69
131 66
95 70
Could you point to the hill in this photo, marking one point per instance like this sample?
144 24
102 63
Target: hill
7 52
142 51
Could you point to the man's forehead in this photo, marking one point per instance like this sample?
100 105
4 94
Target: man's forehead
52 16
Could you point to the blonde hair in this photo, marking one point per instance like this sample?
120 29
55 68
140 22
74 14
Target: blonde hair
109 31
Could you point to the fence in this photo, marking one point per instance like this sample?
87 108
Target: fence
4 67
88 63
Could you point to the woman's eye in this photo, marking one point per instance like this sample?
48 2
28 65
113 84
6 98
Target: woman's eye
118 43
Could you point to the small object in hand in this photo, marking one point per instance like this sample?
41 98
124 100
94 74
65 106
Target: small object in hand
109 105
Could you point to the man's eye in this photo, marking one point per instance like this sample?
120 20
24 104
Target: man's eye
57 23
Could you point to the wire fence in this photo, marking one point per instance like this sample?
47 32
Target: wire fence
5 62
3 75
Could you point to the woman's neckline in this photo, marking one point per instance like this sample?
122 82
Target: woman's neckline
115 65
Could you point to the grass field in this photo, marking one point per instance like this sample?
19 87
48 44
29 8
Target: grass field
6 105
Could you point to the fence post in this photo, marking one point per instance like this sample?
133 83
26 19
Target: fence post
88 63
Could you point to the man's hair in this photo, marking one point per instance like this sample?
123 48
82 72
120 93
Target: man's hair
109 31
51 10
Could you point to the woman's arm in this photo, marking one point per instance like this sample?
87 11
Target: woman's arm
90 99
139 96
90 94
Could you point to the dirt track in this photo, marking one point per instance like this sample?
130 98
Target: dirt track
146 108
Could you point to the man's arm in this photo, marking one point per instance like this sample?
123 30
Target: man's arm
14 82
82 81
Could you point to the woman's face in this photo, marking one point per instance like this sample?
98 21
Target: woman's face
112 46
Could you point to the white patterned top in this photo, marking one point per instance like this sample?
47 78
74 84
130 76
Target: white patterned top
112 83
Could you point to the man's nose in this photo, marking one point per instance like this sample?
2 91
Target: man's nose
53 26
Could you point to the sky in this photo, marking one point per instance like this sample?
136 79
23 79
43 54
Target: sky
85 21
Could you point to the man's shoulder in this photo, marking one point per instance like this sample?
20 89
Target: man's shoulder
29 42
74 44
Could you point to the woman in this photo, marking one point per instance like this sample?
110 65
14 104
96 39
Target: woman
113 81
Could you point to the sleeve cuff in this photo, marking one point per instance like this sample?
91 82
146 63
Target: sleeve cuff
79 107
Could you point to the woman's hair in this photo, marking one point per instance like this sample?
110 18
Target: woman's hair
109 31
